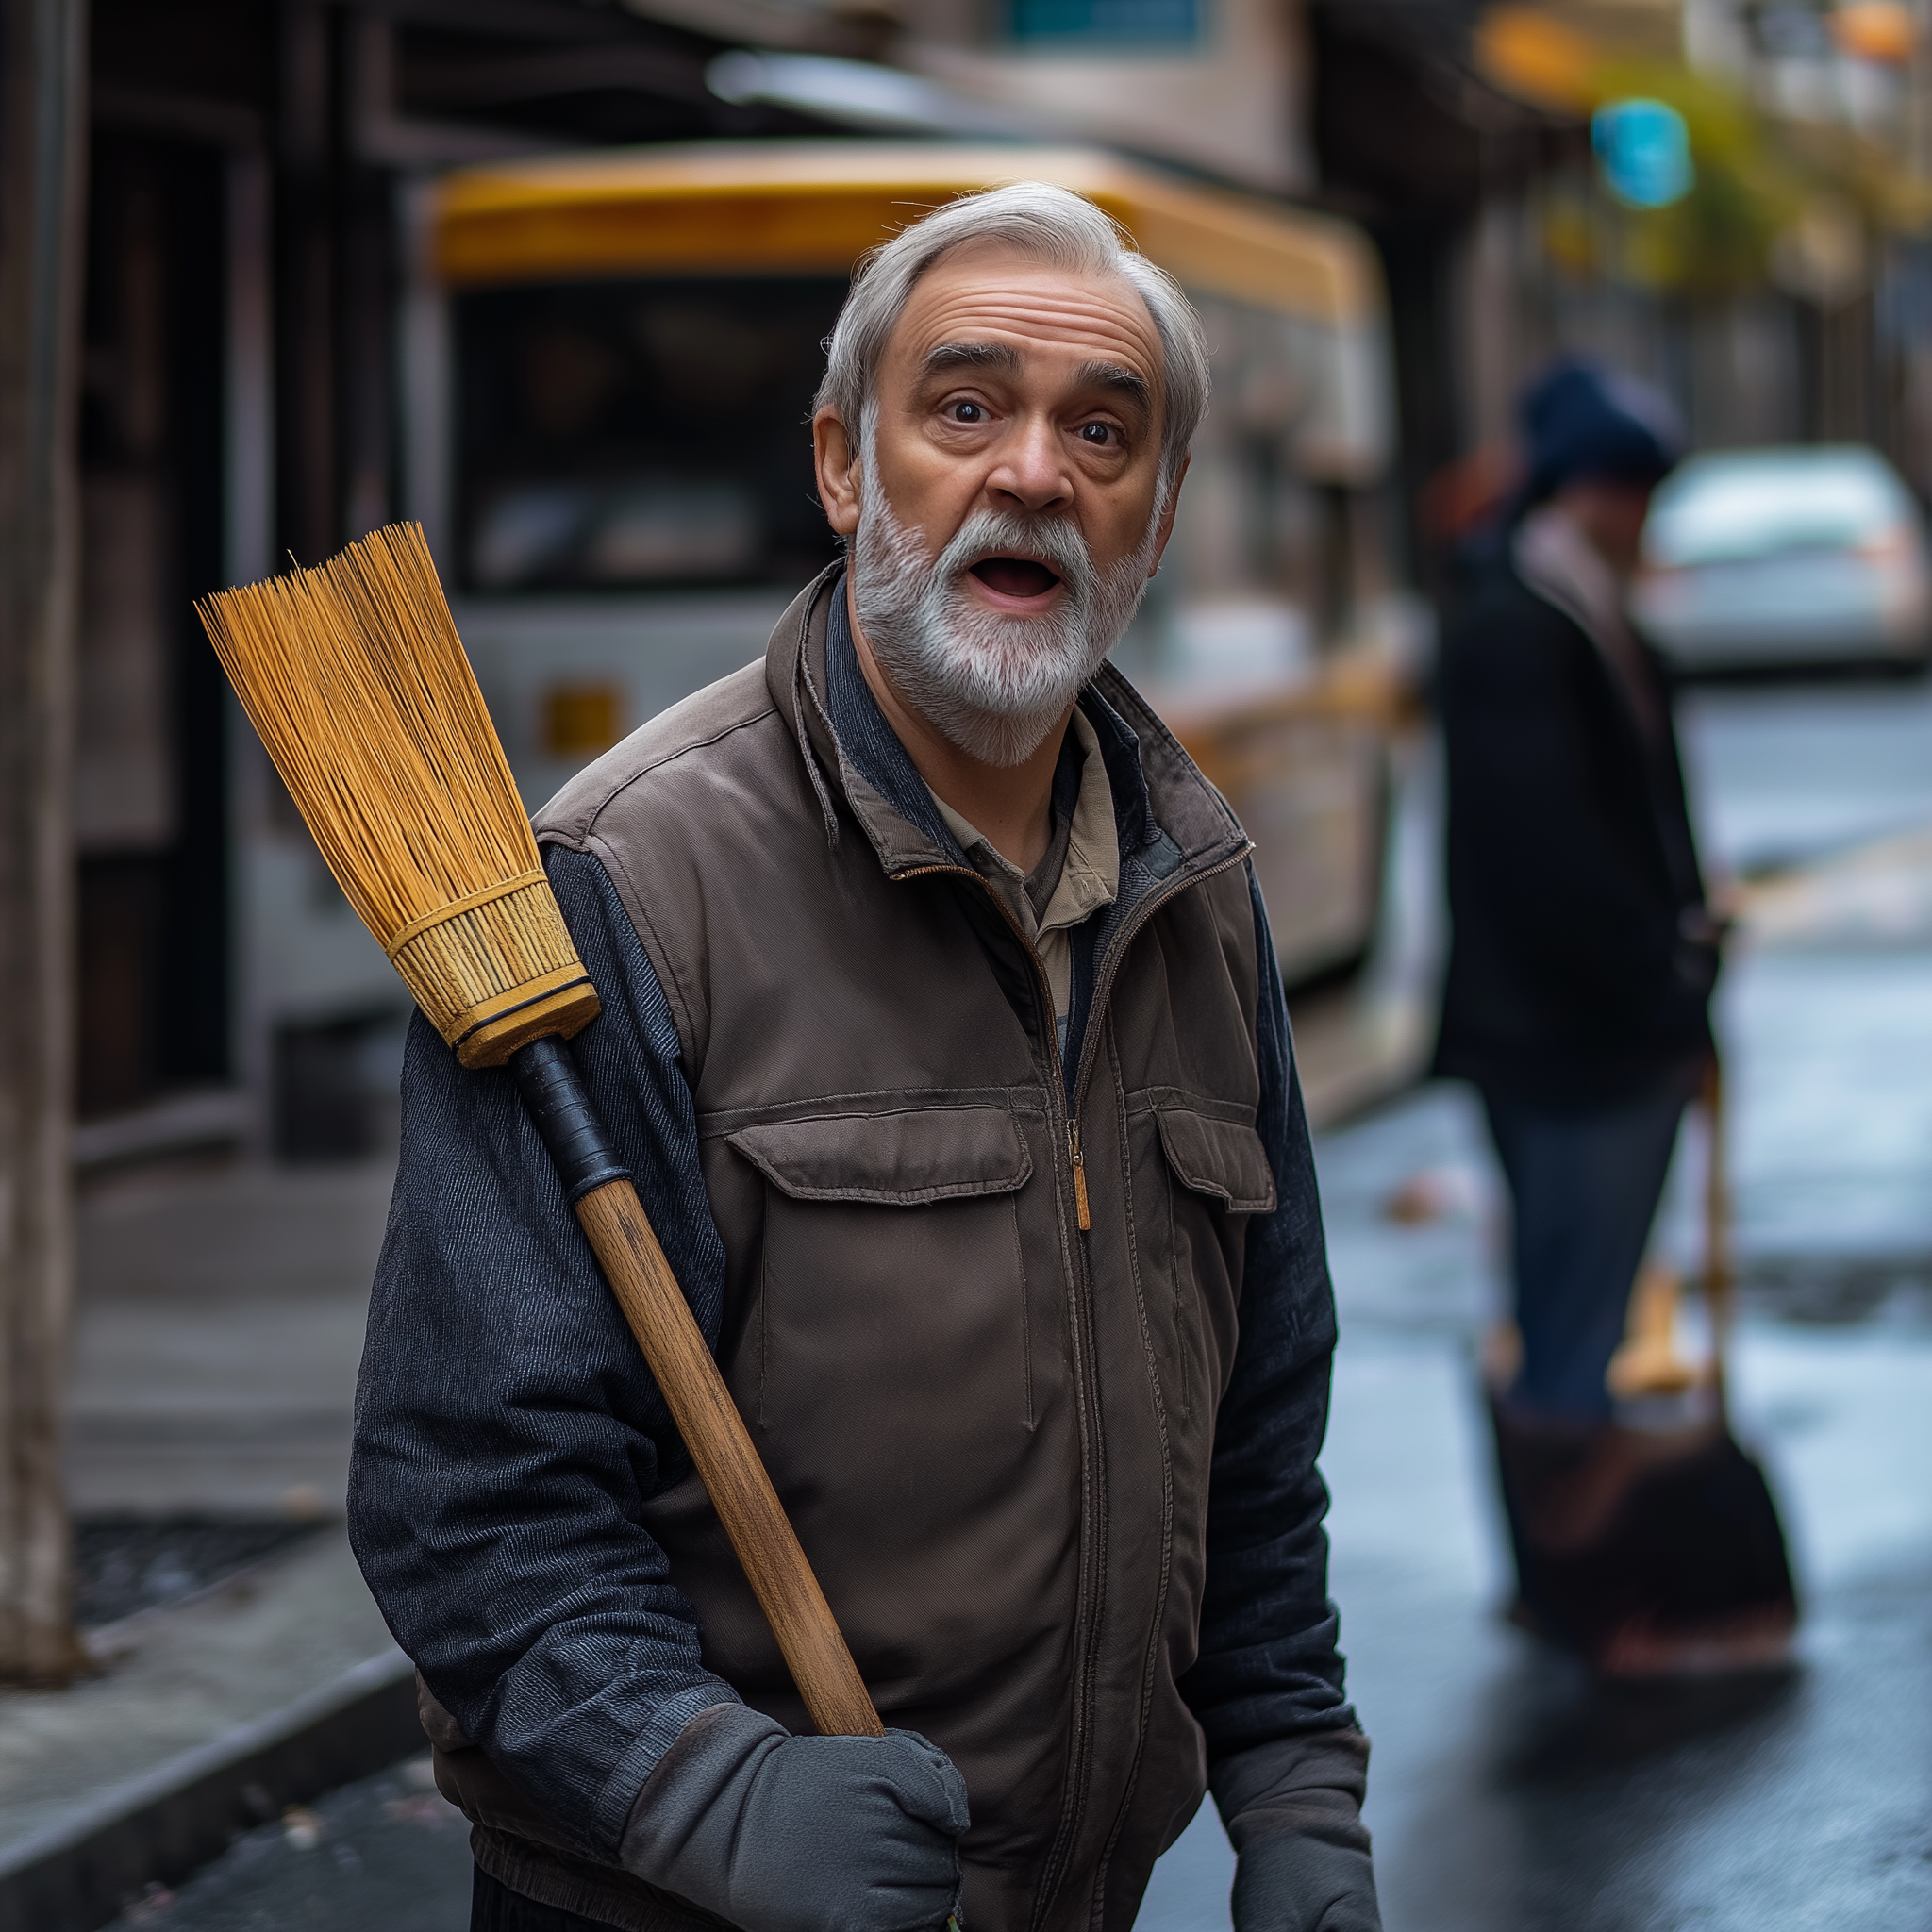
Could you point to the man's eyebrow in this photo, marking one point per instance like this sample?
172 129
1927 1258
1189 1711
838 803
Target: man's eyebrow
950 356
1123 381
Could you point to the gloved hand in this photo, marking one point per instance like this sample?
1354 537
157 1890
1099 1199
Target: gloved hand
784 1834
1293 1809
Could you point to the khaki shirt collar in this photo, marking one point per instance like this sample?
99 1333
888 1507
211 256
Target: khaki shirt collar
1090 879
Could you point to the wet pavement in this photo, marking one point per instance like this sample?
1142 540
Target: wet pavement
1506 1793
385 1855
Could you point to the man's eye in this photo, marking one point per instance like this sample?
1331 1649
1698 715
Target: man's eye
967 412
1097 433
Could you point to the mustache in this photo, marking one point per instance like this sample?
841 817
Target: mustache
1054 540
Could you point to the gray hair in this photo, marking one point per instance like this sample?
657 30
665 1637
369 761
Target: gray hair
1057 227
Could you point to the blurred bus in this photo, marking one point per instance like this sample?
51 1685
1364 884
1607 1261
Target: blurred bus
609 366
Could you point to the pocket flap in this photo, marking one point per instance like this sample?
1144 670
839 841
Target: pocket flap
898 1160
1220 1157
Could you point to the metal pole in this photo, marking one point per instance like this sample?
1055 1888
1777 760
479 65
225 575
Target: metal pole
42 149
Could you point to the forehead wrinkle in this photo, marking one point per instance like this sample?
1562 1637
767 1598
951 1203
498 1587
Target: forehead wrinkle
1107 317
1097 328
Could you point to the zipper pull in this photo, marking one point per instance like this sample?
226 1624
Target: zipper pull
1079 1176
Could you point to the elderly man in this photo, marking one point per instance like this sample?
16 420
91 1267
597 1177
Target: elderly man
942 1032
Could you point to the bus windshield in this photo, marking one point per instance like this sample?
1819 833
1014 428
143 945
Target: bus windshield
624 435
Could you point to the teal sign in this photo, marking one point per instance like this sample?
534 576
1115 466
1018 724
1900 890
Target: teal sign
1108 23
1645 149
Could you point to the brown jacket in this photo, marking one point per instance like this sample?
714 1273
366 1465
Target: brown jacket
989 1404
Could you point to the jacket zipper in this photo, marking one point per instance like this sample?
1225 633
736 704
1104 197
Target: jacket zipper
1089 1392
1102 988
1090 1664
1049 1025
1093 1446
1079 1176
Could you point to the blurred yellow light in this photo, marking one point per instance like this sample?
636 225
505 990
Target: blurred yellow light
1874 30
580 720
1538 59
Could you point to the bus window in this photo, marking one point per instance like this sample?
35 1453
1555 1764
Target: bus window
634 435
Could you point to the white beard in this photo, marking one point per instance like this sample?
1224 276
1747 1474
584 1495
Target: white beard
992 684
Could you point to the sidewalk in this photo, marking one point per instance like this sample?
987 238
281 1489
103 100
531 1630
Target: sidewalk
204 1718
219 1323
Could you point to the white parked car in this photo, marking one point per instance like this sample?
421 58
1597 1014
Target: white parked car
1759 558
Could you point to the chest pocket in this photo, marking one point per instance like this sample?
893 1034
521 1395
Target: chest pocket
1221 1158
1199 1172
892 1288
905 1158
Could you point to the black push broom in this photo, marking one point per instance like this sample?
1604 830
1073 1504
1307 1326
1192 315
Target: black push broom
355 677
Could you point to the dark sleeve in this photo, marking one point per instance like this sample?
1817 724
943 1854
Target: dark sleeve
1531 831
1268 1666
507 1431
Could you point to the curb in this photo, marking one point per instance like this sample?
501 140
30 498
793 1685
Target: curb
78 1873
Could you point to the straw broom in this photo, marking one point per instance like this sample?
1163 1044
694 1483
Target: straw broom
355 677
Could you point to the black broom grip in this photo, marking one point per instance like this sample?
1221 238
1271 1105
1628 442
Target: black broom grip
553 1089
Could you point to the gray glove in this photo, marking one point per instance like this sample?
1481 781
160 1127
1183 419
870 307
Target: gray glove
1293 1809
783 1834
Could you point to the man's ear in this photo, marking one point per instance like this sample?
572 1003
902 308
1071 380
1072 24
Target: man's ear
1167 510
837 463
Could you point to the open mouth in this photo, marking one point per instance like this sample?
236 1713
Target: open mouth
1015 577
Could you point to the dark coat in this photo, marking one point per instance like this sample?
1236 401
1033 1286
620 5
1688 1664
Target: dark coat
1578 972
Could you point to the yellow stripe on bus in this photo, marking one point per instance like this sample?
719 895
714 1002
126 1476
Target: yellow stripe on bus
813 207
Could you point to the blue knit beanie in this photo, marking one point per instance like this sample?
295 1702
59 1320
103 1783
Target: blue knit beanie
1585 423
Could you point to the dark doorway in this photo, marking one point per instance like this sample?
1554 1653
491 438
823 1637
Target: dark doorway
150 780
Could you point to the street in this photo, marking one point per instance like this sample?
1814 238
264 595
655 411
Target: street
1506 1793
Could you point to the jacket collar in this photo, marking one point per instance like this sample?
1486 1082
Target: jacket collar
1168 816
1559 564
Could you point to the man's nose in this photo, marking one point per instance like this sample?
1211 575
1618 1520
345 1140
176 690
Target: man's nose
1031 471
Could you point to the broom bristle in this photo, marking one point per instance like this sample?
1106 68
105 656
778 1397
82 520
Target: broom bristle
356 679
354 676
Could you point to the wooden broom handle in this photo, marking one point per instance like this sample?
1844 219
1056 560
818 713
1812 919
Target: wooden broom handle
714 1432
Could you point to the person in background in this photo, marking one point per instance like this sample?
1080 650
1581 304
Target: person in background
1583 958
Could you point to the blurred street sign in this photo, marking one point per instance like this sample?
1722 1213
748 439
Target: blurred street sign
1117 23
1645 152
